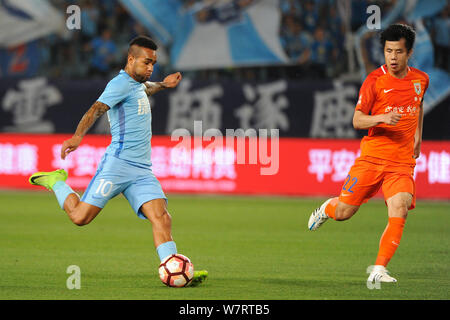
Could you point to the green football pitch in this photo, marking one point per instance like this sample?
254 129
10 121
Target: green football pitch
254 248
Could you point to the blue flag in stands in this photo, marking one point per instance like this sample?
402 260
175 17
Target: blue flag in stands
215 34
22 21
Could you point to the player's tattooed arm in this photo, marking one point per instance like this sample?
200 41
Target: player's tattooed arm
153 87
89 118
171 81
86 122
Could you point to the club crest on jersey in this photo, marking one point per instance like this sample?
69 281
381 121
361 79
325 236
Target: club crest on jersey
417 86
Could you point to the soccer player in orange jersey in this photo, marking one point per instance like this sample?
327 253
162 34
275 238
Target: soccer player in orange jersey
390 107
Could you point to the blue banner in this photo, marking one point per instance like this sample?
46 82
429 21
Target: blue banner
219 34
22 21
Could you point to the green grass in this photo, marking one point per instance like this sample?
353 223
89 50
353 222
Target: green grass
253 247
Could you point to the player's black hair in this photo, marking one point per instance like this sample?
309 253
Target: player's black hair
397 31
143 41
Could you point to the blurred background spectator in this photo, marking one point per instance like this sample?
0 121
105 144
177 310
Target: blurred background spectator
103 56
439 27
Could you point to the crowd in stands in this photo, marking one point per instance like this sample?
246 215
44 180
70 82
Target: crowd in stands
312 34
97 49
439 27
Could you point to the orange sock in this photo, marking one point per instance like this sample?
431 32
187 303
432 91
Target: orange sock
390 240
330 209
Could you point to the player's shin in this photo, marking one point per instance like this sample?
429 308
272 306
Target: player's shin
390 240
62 191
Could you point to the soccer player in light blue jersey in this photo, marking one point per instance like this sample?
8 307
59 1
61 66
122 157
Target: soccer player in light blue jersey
126 165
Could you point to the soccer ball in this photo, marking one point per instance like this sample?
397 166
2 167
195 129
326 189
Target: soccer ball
176 270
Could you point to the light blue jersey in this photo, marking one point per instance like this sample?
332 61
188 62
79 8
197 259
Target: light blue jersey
126 165
129 118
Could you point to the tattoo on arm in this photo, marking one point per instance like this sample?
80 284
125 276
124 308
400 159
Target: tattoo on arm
89 118
153 87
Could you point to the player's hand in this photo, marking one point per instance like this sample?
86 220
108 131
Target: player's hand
70 145
392 118
172 80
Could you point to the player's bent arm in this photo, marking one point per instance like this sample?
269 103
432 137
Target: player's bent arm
363 121
171 81
89 118
86 122
153 87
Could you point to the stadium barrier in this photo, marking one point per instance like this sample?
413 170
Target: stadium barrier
306 108
301 167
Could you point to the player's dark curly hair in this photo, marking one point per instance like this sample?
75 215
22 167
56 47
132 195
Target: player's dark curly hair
397 31
143 41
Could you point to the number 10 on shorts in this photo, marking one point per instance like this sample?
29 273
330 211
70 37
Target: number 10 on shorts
104 188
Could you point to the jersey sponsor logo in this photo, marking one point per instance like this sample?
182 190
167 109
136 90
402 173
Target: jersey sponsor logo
143 106
407 110
386 91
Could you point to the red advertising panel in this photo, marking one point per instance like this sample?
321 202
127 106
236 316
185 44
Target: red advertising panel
288 166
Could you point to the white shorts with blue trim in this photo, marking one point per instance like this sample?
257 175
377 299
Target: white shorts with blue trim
137 183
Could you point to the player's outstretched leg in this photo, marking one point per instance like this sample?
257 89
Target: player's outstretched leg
55 181
332 208
156 212
80 213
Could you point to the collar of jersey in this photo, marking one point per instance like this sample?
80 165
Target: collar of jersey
130 78
390 75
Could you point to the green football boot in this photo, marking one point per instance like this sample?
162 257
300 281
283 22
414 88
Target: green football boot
48 179
199 277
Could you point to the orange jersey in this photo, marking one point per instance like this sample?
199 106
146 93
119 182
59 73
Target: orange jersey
382 93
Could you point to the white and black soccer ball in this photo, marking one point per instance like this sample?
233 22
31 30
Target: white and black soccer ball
176 270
